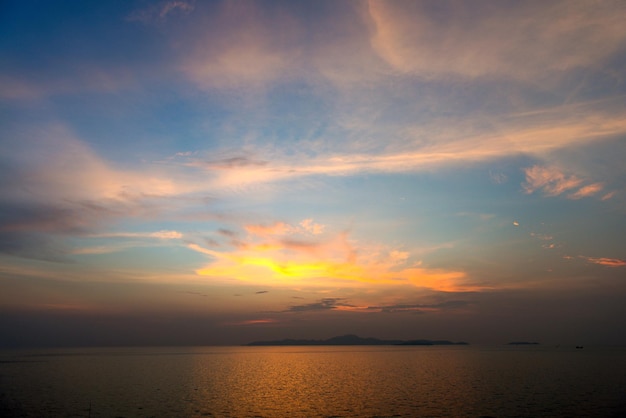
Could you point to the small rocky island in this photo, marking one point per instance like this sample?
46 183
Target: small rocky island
353 340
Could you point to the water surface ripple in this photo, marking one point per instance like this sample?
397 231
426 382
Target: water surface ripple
460 381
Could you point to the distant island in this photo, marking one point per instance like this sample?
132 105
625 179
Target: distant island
523 343
354 340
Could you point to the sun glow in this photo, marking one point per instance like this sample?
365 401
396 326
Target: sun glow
268 271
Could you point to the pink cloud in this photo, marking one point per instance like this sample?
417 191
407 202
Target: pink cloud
550 180
277 228
586 191
553 182
523 42
604 261
239 46
309 226
608 196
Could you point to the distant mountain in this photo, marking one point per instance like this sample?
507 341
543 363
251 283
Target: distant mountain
353 340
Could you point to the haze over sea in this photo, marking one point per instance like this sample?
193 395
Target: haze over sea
314 381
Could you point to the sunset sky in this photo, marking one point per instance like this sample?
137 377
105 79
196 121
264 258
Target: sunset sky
180 172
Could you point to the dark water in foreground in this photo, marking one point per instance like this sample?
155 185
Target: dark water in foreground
314 382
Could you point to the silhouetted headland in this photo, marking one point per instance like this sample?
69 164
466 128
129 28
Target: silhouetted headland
354 340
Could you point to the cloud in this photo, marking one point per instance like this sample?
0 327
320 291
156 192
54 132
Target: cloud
160 11
451 142
132 240
521 40
419 308
399 256
312 227
341 304
45 163
262 321
608 195
244 47
227 232
231 163
36 230
237 45
325 304
195 293
34 245
163 234
604 261
268 260
553 182
55 187
277 228
587 191
498 177
550 180
306 226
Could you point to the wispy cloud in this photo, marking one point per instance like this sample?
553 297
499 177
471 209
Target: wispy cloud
419 308
587 191
281 228
239 46
61 188
535 134
553 182
163 234
159 11
246 322
195 293
529 40
342 304
325 304
550 180
604 261
609 195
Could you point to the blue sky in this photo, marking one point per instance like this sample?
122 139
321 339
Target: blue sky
180 172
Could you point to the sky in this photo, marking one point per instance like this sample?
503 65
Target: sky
213 172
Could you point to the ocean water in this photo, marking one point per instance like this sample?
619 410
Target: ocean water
331 381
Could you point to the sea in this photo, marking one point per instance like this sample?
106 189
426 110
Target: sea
314 381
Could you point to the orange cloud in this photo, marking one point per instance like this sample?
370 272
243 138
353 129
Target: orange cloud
312 227
277 228
587 191
331 262
604 261
552 181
